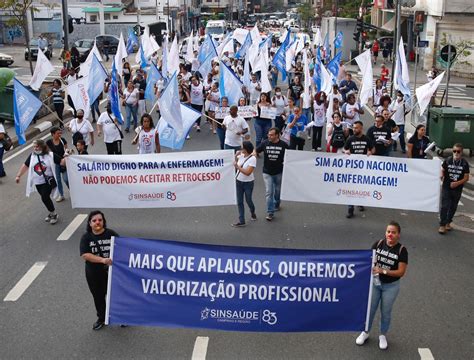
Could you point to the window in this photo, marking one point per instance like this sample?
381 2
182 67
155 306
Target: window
93 18
106 16
115 17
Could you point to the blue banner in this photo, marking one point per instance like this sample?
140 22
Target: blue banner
152 77
279 60
132 41
97 76
25 107
114 95
338 40
178 284
333 65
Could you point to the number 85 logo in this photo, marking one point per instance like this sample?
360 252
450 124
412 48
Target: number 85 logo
269 317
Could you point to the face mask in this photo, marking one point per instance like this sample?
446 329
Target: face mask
400 98
278 93
37 152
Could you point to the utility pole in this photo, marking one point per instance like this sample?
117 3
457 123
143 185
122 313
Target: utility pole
138 12
449 70
65 25
335 25
396 41
101 19
416 55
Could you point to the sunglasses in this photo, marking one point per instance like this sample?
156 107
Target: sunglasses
457 151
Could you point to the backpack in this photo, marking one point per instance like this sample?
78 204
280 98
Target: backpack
7 142
338 139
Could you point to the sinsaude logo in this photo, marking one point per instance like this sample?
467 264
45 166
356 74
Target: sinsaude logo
239 316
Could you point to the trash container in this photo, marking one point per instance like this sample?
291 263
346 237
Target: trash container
6 104
450 125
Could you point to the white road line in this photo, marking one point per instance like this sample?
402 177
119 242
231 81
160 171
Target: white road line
467 197
25 281
425 354
460 203
72 227
200 348
23 150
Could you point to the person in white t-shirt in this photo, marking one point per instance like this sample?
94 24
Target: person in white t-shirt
109 125
235 126
399 110
80 127
197 98
351 111
130 97
147 137
245 165
254 90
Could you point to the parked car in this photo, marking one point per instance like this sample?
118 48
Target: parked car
34 50
113 43
84 46
6 60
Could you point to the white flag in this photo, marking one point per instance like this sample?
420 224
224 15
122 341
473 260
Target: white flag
364 61
78 90
401 75
425 92
229 47
196 43
255 34
263 66
307 78
154 45
318 39
42 69
189 49
85 67
120 55
173 59
326 80
290 54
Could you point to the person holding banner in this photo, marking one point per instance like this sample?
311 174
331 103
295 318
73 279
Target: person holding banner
81 129
235 126
245 165
319 108
391 262
297 123
113 136
213 99
280 102
455 174
351 111
337 134
418 143
381 136
95 250
58 145
147 136
219 120
262 125
400 109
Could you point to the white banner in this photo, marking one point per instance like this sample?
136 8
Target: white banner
247 111
376 181
167 180
268 112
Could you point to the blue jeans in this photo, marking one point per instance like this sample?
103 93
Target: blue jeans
131 111
385 294
221 134
272 191
244 188
235 148
57 169
94 109
261 130
2 170
274 80
401 130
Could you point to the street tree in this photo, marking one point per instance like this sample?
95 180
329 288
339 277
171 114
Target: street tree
306 13
18 10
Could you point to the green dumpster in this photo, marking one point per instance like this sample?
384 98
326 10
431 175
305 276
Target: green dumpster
6 104
448 126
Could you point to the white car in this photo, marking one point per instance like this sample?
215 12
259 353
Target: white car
6 60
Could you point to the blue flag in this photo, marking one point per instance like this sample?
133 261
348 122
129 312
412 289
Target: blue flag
206 67
97 76
229 84
333 65
267 41
169 106
114 95
317 70
245 46
338 40
132 41
169 137
279 60
143 62
164 59
152 76
206 49
25 107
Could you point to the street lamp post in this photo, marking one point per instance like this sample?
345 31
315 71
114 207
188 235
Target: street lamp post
65 25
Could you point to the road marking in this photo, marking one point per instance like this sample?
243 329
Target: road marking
425 354
467 197
72 227
25 281
23 150
200 348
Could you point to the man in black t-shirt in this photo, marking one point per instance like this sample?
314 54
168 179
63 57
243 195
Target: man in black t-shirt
140 84
455 174
58 146
357 144
380 136
273 155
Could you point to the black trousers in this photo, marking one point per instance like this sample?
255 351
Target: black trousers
71 104
59 107
296 143
199 109
97 281
45 192
114 148
449 204
317 137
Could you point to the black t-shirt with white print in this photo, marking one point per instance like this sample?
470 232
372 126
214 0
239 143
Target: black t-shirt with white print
388 258
98 245
274 153
358 145
454 170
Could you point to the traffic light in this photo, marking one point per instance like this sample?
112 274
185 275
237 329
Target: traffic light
138 30
70 24
360 25
356 36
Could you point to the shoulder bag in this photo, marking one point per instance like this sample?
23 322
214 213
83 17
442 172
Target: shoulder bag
120 131
50 180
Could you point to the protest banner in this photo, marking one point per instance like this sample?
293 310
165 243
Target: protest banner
268 112
396 183
247 111
178 284
199 178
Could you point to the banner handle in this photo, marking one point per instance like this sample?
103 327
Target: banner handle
369 303
109 281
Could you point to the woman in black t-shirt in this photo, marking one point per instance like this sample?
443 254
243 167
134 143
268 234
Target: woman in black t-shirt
418 143
391 260
95 250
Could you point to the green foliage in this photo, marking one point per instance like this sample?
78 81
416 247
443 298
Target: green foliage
462 49
306 13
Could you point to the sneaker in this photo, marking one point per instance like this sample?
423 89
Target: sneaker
53 219
448 227
309 137
214 132
269 217
127 130
319 149
198 128
188 137
350 215
361 208
99 324
238 224
253 217
362 338
48 218
442 230
59 198
383 345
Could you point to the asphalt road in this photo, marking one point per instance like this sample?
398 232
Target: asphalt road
52 319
